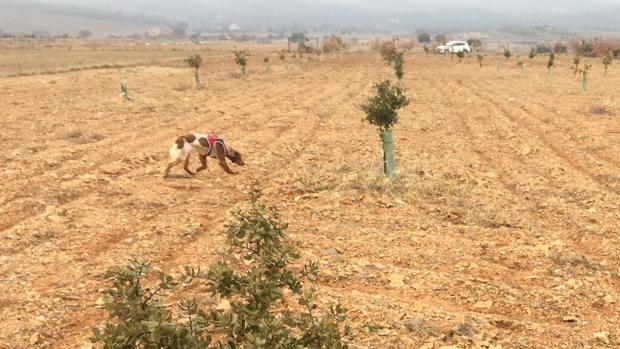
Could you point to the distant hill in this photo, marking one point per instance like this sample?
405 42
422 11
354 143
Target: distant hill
29 17
118 17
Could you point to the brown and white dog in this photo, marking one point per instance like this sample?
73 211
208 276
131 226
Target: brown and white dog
205 145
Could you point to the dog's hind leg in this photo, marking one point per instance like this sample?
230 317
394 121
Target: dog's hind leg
203 161
170 166
186 166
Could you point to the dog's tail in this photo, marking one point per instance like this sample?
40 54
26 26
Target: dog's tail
177 149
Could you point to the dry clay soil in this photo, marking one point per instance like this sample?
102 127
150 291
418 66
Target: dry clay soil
501 231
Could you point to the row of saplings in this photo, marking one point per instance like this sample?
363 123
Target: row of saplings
266 304
382 109
583 70
195 62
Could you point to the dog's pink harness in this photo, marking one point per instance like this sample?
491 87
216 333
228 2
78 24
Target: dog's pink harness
213 140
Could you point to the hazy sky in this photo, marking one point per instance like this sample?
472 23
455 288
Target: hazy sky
403 15
189 7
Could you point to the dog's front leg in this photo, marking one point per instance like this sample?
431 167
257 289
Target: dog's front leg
203 161
219 152
186 167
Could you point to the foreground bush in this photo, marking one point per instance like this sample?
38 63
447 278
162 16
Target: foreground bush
259 315
137 318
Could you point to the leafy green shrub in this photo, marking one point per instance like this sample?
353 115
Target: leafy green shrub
195 62
521 65
542 49
560 48
254 289
475 44
398 61
388 51
583 71
507 53
241 59
532 54
576 63
333 44
607 60
550 64
259 236
441 38
424 38
382 109
297 38
303 48
583 47
137 318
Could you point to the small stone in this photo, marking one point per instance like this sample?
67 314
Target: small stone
608 298
397 280
384 332
223 306
55 219
572 283
112 168
51 163
569 318
602 336
330 252
483 304
34 339
128 241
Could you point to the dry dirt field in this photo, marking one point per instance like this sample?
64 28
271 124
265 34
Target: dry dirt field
502 231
